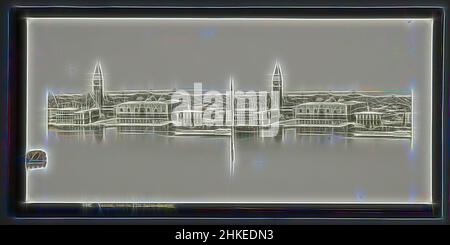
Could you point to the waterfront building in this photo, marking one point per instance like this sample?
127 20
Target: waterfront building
189 118
161 110
152 113
369 119
63 116
327 113
68 110
252 109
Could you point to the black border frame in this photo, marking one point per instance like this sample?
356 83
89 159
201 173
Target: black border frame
221 212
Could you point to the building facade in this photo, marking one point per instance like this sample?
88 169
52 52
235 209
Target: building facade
327 113
153 114
369 119
306 111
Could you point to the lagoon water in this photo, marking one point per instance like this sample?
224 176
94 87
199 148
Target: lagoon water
116 167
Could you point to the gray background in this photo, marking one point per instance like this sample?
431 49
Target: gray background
383 55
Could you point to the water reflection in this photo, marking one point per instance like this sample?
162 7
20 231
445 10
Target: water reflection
163 167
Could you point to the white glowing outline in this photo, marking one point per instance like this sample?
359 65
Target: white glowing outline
28 19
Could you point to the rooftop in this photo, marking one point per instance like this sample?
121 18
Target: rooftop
369 112
149 102
65 109
332 103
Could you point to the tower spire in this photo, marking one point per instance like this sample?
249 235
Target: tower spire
98 85
277 82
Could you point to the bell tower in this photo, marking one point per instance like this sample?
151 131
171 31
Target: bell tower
277 84
97 85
